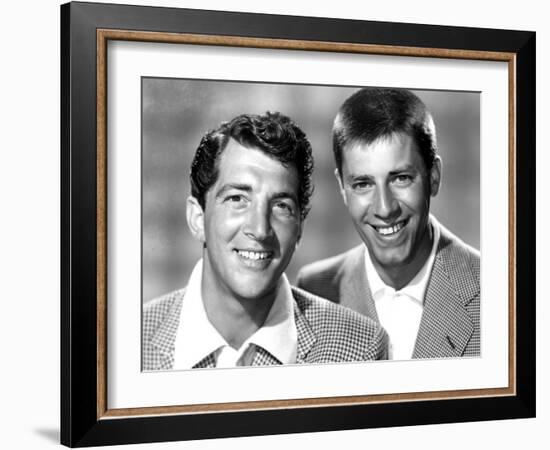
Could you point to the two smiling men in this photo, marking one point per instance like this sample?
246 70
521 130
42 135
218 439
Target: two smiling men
411 291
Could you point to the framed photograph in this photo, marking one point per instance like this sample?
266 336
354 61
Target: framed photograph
147 95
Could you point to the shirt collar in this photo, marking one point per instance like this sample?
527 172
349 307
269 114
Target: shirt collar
278 334
197 337
416 288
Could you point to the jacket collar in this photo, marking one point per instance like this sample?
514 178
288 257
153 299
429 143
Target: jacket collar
445 324
356 293
306 335
165 337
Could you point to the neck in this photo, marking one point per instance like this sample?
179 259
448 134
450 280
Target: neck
399 276
235 318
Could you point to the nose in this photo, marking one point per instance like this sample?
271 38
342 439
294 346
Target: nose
386 206
258 223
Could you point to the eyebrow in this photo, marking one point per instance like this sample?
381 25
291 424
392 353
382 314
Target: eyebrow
365 177
405 168
237 186
248 188
351 177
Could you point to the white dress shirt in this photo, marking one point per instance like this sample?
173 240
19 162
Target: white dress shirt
197 338
400 311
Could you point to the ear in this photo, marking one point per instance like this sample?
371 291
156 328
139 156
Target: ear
341 186
435 176
300 231
195 219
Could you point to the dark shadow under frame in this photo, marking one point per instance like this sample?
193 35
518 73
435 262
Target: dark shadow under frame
85 419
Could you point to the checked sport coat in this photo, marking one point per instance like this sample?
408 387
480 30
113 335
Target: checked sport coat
326 333
450 321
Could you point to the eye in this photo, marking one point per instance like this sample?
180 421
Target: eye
403 179
284 208
361 186
235 200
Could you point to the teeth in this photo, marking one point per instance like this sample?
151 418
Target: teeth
255 256
385 231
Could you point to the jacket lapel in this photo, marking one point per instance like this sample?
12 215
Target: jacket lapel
356 293
446 327
263 358
207 362
165 337
306 336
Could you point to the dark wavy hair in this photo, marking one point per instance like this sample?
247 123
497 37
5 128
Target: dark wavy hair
273 133
372 113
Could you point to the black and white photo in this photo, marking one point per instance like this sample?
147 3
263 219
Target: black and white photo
376 170
250 190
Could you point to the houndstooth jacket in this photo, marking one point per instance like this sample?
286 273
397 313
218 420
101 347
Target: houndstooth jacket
326 333
450 320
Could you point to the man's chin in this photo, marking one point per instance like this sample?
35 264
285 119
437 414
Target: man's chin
390 259
255 291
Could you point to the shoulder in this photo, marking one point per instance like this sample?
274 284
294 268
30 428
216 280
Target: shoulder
458 254
328 266
355 336
321 312
156 311
328 272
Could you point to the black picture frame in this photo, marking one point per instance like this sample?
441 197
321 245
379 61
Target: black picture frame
82 421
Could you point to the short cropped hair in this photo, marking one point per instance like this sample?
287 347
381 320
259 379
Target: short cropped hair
374 113
273 133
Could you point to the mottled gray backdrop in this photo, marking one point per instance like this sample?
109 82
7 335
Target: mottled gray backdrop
176 114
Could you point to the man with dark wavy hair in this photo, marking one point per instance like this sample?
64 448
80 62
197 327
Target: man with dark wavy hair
250 191
412 275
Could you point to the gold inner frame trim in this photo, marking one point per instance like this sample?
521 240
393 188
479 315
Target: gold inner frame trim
103 36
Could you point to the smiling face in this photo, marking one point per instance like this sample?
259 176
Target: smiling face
387 191
250 224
